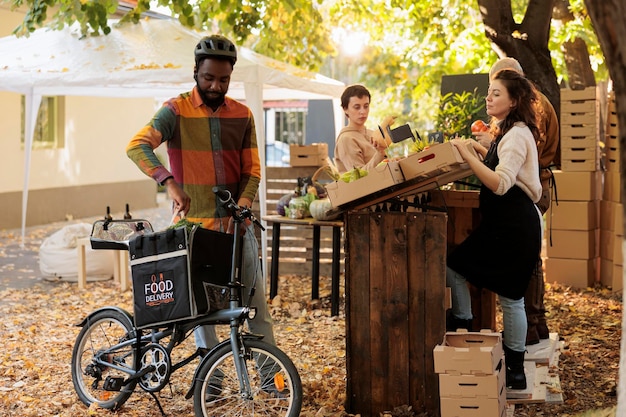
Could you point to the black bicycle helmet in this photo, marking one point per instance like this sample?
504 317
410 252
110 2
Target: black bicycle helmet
216 45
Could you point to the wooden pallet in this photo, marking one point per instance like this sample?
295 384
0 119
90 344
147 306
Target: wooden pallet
544 385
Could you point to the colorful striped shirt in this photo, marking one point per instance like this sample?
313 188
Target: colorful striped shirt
206 148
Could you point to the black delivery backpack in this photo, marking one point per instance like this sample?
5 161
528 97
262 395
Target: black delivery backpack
179 275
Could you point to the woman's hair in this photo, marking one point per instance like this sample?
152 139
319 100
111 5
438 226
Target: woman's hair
355 90
525 96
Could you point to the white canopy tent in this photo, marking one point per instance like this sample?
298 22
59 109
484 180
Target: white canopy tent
153 58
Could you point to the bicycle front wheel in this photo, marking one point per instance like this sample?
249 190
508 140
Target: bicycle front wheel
97 340
276 388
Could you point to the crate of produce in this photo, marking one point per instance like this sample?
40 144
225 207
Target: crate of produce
437 159
382 176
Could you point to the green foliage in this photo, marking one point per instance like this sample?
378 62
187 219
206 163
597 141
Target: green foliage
457 112
410 44
293 31
407 55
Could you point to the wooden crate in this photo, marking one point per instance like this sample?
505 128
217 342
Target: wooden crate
395 310
463 218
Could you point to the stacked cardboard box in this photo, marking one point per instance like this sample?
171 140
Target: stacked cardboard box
308 155
572 229
472 374
579 130
572 234
611 208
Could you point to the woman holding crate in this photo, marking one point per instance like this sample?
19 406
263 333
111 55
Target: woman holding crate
502 252
357 146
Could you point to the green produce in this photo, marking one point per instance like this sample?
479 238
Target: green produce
353 175
184 223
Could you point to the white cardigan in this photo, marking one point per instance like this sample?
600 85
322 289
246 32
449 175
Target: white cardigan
518 162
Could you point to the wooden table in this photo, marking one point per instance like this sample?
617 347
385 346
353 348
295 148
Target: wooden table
277 221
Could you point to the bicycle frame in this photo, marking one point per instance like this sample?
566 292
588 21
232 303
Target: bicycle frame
235 316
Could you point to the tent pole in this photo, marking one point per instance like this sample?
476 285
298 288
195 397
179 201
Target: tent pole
254 100
31 108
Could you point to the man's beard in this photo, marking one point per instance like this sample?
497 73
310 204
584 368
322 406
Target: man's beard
213 102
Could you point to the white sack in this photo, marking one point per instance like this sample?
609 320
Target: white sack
58 256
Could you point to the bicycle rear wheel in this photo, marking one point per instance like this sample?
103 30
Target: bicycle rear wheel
97 339
276 388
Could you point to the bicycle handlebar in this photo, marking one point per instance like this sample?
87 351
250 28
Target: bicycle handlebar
239 213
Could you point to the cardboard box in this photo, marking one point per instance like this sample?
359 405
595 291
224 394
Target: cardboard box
587 165
612 275
578 106
378 178
571 244
618 250
588 93
308 155
468 386
474 406
572 215
612 186
612 153
589 118
576 131
612 216
611 246
577 273
611 138
577 185
613 164
468 353
574 141
613 131
579 153
437 159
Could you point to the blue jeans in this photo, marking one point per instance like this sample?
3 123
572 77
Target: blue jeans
513 313
262 323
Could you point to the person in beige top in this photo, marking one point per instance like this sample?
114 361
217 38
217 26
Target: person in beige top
356 146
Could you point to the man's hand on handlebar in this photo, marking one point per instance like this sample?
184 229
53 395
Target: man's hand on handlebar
243 202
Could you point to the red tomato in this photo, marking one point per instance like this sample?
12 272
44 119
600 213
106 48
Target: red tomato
479 126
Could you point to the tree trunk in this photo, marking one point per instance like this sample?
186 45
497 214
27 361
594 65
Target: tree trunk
579 71
526 41
609 20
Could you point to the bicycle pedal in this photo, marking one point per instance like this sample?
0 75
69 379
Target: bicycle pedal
113 384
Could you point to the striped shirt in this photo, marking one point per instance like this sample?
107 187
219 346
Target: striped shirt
205 149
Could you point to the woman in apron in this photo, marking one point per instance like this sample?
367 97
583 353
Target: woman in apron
503 250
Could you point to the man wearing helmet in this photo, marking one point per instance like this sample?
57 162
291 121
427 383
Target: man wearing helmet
211 141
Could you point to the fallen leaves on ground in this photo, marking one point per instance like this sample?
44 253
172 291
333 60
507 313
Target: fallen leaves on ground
38 329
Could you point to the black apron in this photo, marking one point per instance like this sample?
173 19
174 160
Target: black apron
502 252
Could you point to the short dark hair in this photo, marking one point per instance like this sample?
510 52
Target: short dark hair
354 90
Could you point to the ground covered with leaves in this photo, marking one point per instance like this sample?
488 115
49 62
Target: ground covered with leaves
38 331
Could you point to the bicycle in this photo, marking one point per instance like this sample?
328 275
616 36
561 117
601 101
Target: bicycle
242 375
